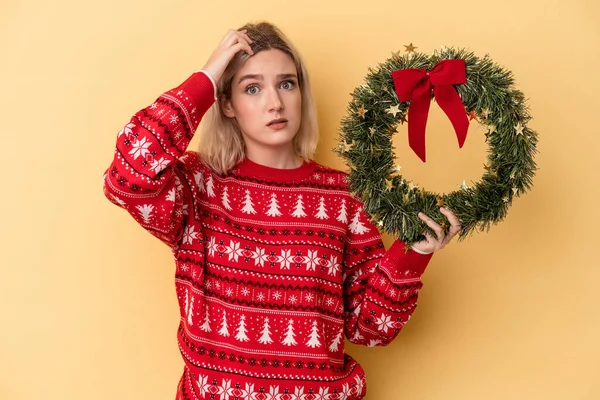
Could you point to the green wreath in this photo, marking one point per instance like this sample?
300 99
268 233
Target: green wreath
487 93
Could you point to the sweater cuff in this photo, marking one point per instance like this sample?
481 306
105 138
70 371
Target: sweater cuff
199 86
402 264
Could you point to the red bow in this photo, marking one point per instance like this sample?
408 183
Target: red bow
417 85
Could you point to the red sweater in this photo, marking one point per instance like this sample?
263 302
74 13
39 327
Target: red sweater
273 267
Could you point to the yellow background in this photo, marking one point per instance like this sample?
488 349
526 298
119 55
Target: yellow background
87 300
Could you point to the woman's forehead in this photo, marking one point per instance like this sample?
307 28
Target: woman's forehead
268 64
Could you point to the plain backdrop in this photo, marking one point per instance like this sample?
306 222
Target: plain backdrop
87 300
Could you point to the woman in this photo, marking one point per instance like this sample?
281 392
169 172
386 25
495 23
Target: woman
276 262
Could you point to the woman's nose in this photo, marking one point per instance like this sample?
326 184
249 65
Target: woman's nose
275 102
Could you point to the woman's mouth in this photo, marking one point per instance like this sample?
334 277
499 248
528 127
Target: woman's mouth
277 124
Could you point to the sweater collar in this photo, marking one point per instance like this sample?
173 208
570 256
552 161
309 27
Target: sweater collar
250 169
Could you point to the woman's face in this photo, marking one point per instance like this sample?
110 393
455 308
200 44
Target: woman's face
264 90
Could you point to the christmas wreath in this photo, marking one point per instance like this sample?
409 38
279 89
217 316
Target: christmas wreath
466 87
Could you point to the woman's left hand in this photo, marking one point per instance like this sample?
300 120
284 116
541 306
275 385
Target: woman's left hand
431 244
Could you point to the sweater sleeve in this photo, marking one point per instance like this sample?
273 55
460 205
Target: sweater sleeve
380 287
145 176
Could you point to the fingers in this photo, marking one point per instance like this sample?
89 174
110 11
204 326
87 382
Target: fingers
442 238
433 225
245 35
455 225
238 40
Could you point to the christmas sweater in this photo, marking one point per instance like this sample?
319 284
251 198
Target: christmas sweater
274 267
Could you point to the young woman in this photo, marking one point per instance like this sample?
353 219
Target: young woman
276 262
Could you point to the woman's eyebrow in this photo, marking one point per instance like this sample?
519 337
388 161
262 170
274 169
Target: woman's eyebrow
260 77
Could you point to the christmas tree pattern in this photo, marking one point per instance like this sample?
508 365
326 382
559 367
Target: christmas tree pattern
210 186
299 208
356 226
334 346
322 211
241 330
190 312
266 333
146 212
342 215
224 331
273 210
199 177
206 325
186 305
289 335
248 205
225 198
171 195
313 339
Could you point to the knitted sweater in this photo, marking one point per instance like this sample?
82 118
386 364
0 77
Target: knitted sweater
274 268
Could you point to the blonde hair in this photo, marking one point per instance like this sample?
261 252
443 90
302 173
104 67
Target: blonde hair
222 145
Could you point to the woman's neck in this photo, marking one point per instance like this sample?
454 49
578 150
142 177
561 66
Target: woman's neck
275 158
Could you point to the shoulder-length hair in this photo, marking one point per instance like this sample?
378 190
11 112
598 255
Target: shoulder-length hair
221 142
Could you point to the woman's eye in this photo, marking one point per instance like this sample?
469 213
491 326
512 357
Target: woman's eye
288 84
252 90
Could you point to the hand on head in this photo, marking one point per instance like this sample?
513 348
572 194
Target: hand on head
232 42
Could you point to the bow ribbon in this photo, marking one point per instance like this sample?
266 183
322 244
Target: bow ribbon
418 84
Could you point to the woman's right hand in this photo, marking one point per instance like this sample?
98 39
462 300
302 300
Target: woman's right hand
232 42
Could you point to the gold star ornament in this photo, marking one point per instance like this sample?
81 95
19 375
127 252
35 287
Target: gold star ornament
519 128
410 48
393 110
361 111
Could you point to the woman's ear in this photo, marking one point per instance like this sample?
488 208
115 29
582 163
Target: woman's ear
227 107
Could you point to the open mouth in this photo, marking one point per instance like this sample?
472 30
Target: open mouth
277 122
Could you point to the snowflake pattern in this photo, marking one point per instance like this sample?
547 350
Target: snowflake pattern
140 148
384 322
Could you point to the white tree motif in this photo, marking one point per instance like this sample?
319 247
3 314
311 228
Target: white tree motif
171 195
241 330
186 304
190 312
146 211
299 208
322 211
342 215
356 226
313 339
248 205
199 178
334 346
266 333
289 335
206 325
273 207
225 198
224 331
210 186
357 336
